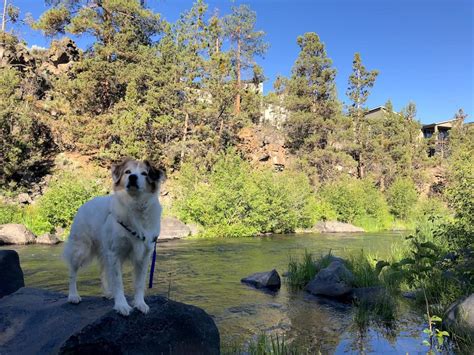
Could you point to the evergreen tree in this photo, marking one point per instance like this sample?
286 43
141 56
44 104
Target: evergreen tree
239 27
360 81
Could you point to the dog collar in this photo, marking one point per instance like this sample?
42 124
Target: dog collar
132 232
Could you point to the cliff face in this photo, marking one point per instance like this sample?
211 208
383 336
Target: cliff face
264 145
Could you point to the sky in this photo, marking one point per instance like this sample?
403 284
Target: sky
423 49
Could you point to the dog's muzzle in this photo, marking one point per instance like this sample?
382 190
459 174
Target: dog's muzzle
132 182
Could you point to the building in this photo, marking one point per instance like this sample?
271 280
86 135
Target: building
438 133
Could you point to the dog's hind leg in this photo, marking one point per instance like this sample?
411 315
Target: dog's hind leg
105 281
77 254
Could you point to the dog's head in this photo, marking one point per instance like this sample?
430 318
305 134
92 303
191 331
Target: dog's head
136 177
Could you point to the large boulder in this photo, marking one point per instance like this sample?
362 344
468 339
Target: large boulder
15 234
173 228
333 281
11 275
34 321
267 279
461 315
336 227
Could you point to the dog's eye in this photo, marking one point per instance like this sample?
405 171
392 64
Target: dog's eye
145 173
127 171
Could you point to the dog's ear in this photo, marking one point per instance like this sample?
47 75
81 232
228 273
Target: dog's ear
155 174
118 169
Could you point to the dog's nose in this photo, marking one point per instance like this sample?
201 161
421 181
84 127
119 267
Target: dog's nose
132 178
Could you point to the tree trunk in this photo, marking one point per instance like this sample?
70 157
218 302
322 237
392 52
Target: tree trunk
237 97
360 166
4 17
185 136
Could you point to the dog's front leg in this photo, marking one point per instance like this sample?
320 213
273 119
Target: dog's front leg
114 270
140 264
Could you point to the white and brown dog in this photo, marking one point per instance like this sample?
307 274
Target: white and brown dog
118 227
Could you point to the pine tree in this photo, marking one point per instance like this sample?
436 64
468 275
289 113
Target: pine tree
240 29
360 81
311 95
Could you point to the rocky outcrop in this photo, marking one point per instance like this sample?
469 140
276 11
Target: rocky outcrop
34 321
264 145
461 315
333 281
173 228
61 56
15 234
269 279
11 275
336 227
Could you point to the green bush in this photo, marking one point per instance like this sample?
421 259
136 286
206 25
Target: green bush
402 197
62 199
9 213
235 200
358 202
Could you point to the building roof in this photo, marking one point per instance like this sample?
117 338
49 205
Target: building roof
429 125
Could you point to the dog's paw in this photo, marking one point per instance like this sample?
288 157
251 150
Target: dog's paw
74 299
123 308
142 307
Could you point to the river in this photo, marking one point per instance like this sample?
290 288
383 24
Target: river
207 273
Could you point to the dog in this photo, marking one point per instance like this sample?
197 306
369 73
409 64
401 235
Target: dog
118 227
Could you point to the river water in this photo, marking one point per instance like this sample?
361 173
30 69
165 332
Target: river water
207 273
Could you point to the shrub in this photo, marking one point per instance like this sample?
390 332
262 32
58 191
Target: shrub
402 197
235 200
358 202
9 213
59 204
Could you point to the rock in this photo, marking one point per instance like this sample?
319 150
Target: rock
460 314
411 295
268 279
328 259
173 228
264 145
48 238
333 281
35 321
15 234
11 275
336 227
24 198
194 228
367 295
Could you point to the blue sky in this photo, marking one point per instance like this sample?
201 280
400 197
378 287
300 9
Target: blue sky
422 48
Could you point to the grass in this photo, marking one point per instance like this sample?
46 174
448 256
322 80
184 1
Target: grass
364 268
302 272
263 344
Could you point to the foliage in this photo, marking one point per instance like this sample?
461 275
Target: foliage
363 267
234 200
300 273
25 142
358 202
264 344
435 336
402 197
360 81
64 196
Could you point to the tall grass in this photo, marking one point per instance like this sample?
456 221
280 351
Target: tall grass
263 344
302 272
